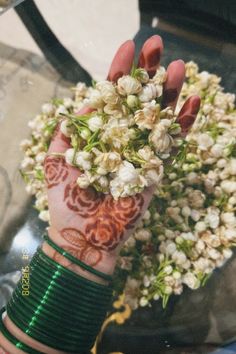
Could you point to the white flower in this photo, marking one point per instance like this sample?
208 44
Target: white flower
143 235
160 76
212 218
127 172
227 252
82 159
176 275
168 269
117 133
143 302
156 297
191 281
108 92
195 215
61 110
229 219
40 157
186 211
130 291
95 100
204 141
83 181
150 92
146 118
48 108
196 198
127 85
69 156
109 161
228 186
160 138
81 89
103 181
171 248
27 164
200 226
25 144
213 253
217 150
154 176
44 215
132 101
95 123
179 257
146 153
67 102
67 128
191 69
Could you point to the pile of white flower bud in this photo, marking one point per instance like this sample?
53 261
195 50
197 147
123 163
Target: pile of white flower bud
120 147
190 226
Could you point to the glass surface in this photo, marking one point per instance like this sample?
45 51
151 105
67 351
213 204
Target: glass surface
195 322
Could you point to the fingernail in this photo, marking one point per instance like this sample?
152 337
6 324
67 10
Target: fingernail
170 96
186 122
153 58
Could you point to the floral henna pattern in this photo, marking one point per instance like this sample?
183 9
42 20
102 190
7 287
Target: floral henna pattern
85 202
125 211
104 232
56 170
83 249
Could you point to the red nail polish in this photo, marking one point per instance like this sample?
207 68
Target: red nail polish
153 58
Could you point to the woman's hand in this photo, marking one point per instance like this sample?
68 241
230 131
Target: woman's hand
88 224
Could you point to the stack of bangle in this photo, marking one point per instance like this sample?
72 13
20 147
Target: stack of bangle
63 310
76 260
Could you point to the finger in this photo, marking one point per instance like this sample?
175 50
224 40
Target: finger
173 83
150 54
122 62
188 113
60 143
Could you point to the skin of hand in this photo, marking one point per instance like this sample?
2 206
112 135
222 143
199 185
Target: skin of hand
89 225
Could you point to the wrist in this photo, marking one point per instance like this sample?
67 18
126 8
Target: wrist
106 264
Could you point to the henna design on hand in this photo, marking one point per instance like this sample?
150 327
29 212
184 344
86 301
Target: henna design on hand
85 202
56 170
104 232
125 211
113 219
83 249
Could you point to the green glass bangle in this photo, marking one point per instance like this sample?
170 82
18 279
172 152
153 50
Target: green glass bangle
18 344
74 276
52 342
43 336
39 314
80 314
76 260
44 268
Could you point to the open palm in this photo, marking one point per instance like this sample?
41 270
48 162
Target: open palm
88 224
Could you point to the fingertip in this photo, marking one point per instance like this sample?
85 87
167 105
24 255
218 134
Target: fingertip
150 54
188 113
122 61
173 84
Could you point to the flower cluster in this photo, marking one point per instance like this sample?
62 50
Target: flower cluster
120 146
190 226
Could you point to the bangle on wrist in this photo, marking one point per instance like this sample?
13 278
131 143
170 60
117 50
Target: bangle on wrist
76 260
63 310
